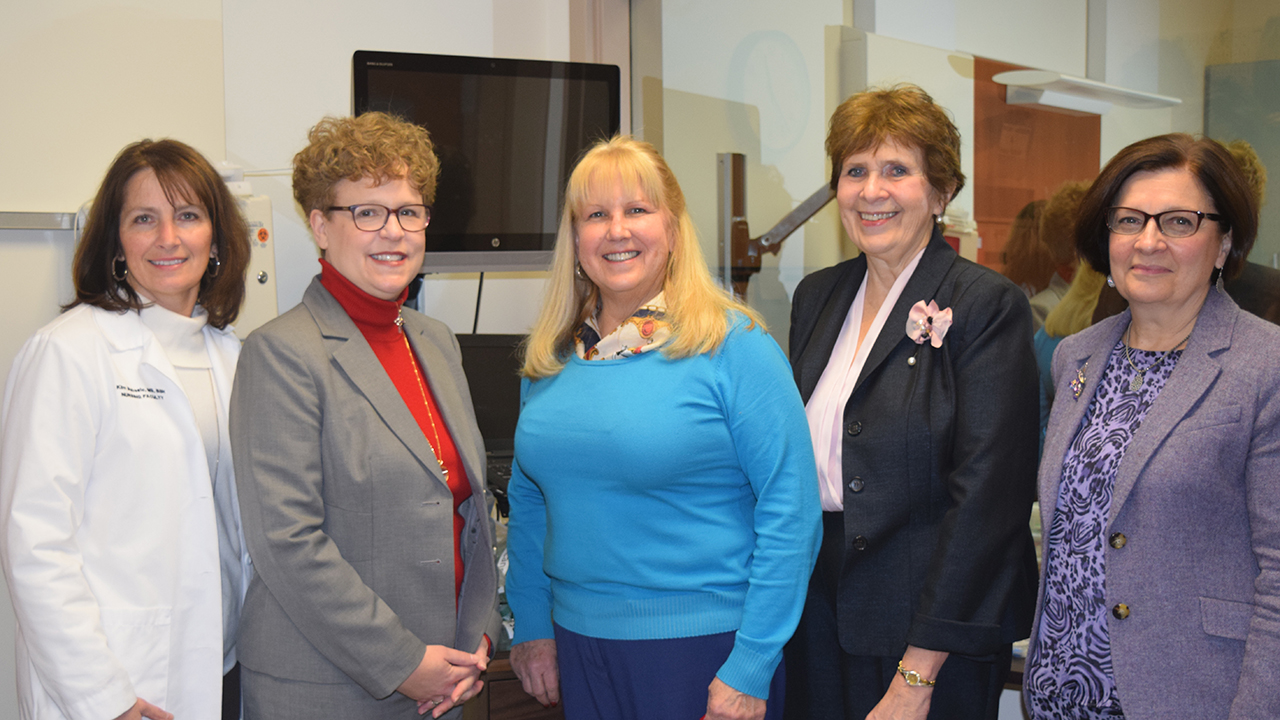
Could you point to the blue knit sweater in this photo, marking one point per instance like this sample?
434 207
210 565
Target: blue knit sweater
656 498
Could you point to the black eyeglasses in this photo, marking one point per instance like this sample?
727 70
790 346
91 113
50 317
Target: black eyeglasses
372 218
1173 223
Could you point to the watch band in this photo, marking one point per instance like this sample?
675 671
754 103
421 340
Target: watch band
913 678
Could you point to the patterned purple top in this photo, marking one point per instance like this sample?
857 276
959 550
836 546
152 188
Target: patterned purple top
1069 673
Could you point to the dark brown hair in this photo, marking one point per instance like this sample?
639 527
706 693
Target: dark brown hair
904 114
375 145
184 174
1211 164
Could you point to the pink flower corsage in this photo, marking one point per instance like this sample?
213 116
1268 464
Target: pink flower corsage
927 322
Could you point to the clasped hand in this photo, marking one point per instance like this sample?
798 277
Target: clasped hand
446 678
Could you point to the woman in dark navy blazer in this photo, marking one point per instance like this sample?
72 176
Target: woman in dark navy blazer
919 380
1161 471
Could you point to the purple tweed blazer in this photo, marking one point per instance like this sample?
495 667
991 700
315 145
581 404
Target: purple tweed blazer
1197 499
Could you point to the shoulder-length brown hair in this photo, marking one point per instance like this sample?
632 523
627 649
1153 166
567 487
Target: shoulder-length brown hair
1212 165
904 114
185 176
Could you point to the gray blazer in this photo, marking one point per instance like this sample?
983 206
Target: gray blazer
1197 501
346 513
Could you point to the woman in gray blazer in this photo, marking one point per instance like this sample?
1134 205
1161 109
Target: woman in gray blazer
1161 469
362 485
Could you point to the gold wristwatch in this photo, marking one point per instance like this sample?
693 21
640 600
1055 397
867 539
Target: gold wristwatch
913 678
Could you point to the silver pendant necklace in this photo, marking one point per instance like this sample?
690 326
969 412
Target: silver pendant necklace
1136 383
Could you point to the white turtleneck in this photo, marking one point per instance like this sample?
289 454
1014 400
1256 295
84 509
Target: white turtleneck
183 341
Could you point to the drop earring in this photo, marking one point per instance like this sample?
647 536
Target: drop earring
116 273
1110 282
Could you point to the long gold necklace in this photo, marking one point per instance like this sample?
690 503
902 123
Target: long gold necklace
422 388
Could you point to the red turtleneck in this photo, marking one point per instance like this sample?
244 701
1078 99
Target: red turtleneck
376 319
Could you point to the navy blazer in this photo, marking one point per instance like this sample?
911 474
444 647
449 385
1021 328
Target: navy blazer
938 548
1197 501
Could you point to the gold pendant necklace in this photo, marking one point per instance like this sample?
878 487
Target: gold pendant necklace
422 388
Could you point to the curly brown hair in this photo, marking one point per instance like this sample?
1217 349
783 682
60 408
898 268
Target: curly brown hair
183 173
1058 221
373 145
904 114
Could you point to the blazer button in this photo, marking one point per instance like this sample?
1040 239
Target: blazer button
1120 611
1117 540
859 543
855 427
857 485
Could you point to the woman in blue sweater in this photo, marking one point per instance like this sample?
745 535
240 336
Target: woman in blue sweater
664 516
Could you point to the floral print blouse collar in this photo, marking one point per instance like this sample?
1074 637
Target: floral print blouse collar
646 330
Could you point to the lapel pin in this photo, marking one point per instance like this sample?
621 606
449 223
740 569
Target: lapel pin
1077 385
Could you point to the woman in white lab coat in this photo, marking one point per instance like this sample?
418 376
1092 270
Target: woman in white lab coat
119 523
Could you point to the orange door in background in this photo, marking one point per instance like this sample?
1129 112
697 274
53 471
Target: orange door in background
1021 153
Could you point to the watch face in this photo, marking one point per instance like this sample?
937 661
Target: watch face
913 678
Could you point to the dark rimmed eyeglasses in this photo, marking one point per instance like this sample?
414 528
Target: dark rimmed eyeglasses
372 218
1173 223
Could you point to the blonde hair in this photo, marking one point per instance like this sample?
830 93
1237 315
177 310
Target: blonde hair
1075 311
697 308
1255 173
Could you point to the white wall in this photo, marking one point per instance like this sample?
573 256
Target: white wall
79 79
1045 35
1126 34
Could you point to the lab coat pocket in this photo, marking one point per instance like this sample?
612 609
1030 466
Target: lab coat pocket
139 637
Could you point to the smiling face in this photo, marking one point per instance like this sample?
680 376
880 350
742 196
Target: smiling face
1153 271
383 262
886 202
623 241
166 247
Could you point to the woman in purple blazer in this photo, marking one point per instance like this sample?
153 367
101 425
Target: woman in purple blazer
1161 473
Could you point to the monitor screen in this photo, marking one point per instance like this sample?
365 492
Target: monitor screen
507 133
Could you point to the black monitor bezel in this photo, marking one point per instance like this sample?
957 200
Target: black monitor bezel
490 258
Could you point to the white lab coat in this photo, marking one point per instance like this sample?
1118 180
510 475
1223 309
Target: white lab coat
107 522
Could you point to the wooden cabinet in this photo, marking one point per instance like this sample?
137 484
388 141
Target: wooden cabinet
504 699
